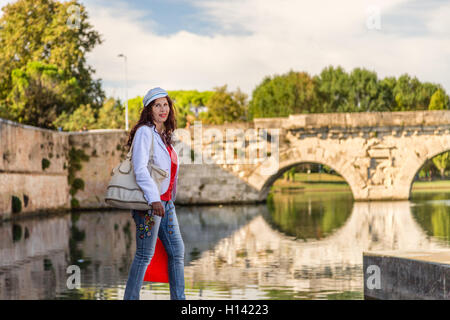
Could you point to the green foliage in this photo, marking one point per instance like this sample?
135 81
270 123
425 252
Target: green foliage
135 107
289 175
82 117
74 203
442 162
75 158
385 97
110 116
184 100
335 90
410 94
16 204
16 232
363 91
283 95
435 167
433 216
78 184
39 93
48 265
333 87
439 101
45 81
309 216
224 106
45 163
40 50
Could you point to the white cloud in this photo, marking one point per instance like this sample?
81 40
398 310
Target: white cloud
262 37
439 22
267 37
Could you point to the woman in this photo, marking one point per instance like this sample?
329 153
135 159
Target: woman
157 120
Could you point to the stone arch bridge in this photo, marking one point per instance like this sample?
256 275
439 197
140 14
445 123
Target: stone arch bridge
378 154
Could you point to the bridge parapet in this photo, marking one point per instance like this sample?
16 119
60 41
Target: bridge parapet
358 120
377 153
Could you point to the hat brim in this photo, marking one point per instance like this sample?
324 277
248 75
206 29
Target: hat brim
154 97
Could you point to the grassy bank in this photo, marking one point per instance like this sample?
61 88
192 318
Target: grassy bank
316 182
327 182
431 186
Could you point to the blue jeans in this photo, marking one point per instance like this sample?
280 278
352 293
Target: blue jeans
147 229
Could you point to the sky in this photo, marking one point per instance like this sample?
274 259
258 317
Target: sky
201 44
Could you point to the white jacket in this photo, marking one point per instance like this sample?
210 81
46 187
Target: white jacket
161 156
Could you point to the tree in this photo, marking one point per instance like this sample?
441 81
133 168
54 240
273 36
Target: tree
289 175
439 101
112 115
40 92
185 99
442 162
363 92
333 88
385 97
410 94
282 95
38 30
224 106
261 104
83 117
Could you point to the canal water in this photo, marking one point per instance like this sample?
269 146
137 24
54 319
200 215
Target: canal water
297 246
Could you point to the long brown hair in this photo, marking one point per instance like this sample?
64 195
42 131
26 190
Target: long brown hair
146 118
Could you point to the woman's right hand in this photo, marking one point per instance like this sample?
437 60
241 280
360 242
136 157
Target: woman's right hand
158 208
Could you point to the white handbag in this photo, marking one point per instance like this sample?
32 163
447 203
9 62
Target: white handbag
123 192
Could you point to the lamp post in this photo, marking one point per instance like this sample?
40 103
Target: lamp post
126 91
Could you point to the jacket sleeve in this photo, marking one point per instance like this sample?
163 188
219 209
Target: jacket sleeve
140 157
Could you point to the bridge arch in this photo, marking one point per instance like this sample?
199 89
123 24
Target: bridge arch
379 167
289 160
269 182
433 153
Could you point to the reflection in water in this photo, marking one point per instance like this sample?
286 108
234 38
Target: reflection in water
32 253
432 212
309 217
298 246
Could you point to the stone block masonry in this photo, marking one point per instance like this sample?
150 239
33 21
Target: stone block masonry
378 154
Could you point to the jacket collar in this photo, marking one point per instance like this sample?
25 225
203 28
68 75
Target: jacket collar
158 138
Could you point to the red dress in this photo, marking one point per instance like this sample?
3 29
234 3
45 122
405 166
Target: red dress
157 270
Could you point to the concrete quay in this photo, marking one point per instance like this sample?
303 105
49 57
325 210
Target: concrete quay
407 275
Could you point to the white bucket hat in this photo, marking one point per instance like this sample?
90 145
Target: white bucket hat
153 94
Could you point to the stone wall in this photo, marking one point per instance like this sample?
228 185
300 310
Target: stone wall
199 184
99 152
34 173
33 169
378 154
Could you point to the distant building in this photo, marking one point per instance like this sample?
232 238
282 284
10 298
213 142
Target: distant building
198 109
